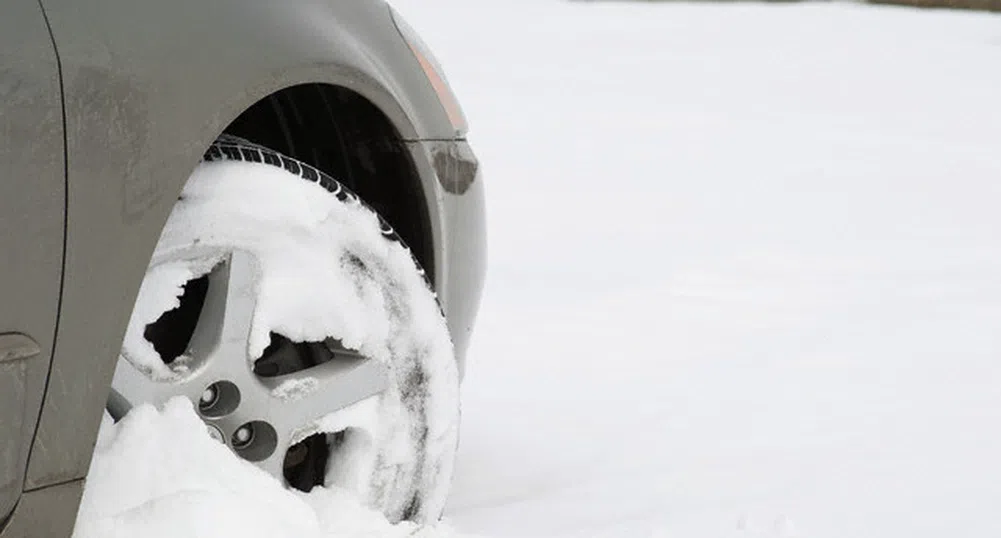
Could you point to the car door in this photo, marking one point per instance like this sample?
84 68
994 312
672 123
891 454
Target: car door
32 207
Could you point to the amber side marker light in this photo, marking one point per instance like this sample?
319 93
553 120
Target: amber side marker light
433 71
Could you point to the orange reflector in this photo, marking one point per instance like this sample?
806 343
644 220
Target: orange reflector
433 72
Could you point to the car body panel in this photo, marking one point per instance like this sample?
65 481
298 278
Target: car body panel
45 513
32 190
143 100
461 248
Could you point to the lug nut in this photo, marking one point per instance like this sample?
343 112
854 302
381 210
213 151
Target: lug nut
254 441
209 397
218 399
243 436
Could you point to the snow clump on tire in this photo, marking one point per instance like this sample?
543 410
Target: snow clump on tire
327 267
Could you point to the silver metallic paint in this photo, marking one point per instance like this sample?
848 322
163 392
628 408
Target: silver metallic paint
32 189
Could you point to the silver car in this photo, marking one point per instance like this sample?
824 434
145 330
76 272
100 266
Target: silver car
107 108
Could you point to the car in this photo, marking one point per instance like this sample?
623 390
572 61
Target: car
167 168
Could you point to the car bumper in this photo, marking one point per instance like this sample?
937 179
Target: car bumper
453 186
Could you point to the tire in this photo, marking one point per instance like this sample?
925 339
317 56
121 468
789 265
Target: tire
332 289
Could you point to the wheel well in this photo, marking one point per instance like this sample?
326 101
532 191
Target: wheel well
345 135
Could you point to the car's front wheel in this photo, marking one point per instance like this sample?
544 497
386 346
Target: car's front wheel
301 329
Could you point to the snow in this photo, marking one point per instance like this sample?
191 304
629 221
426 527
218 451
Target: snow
160 292
296 389
743 283
157 474
230 205
743 271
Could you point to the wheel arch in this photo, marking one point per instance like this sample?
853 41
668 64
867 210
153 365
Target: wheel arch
341 132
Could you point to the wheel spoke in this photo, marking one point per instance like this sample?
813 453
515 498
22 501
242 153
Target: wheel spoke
218 346
292 402
134 385
223 330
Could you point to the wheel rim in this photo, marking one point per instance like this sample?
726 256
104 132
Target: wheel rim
315 263
266 408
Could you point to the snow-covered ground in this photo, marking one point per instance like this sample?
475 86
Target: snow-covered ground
745 276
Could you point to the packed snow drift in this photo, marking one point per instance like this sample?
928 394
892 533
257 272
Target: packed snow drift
157 474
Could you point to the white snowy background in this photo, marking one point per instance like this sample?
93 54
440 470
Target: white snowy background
744 279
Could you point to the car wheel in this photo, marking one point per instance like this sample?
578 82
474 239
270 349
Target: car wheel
302 330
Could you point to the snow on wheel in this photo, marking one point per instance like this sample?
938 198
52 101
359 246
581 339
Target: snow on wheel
301 329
